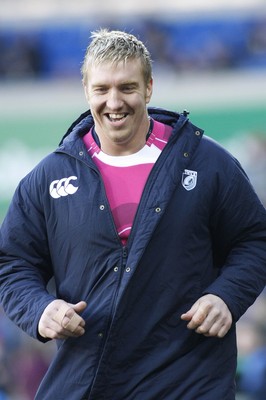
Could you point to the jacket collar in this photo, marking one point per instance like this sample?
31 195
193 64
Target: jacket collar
85 122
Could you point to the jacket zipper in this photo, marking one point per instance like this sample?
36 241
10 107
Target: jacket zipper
146 189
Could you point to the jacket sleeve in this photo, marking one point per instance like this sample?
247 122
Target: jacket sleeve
239 232
25 265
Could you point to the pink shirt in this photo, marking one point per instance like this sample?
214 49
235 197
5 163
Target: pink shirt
124 177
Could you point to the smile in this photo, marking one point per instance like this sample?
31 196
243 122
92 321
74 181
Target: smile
116 117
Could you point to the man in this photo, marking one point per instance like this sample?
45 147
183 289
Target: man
154 237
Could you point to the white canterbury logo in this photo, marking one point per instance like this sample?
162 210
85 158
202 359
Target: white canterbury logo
62 187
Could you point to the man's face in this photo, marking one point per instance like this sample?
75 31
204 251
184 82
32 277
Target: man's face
118 95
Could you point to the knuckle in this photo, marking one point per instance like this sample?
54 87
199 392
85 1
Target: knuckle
53 335
70 312
65 322
200 329
199 318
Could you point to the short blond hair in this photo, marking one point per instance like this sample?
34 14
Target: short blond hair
115 46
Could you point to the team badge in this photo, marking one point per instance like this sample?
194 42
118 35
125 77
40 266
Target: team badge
189 179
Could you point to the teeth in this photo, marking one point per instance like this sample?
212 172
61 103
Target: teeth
116 116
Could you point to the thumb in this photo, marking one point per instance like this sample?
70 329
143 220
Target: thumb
79 307
189 314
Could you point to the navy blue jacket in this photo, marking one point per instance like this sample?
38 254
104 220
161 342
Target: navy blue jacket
199 229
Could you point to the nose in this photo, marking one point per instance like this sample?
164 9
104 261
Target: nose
114 100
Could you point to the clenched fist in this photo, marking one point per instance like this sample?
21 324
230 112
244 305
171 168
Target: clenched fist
209 316
61 320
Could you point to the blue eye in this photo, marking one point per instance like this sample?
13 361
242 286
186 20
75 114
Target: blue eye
100 90
128 88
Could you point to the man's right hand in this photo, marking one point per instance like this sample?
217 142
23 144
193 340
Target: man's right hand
61 320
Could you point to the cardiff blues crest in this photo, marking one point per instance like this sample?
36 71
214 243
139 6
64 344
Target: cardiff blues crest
189 179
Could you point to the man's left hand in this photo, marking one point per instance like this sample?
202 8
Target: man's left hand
209 316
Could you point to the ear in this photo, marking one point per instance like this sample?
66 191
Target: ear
149 91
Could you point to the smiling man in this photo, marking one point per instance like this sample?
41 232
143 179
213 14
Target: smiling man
118 94
155 239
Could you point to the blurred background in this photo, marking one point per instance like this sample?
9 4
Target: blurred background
209 58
